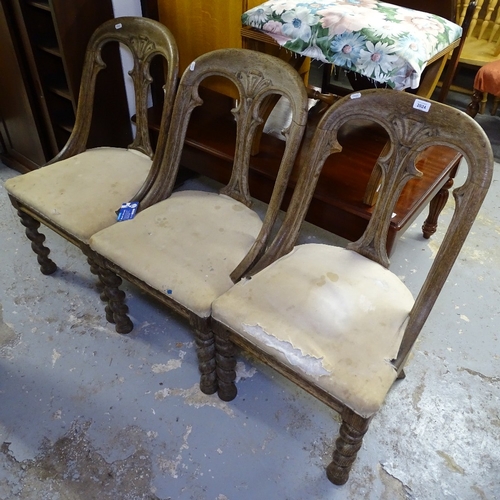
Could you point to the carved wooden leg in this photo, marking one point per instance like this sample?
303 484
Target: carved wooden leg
95 270
98 269
348 443
473 107
205 350
435 208
225 366
47 266
116 309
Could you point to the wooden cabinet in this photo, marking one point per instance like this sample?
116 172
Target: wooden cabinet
200 26
43 44
443 8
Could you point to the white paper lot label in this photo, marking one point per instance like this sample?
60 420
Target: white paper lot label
422 105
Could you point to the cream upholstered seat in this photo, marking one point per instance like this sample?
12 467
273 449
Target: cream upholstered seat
182 246
80 190
337 321
82 193
337 303
189 247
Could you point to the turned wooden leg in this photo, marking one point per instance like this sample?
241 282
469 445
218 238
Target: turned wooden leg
435 208
92 258
98 268
401 376
484 100
473 107
205 350
47 266
348 443
225 366
116 309
494 109
94 269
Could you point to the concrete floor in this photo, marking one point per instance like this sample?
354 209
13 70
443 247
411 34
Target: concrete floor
88 414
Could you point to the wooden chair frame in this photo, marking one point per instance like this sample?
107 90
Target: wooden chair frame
257 77
145 39
410 132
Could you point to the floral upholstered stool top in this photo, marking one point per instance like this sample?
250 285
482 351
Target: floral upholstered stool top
381 41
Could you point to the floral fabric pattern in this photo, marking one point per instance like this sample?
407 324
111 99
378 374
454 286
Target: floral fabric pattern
384 42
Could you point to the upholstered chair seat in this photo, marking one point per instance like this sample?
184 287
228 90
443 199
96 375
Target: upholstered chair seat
345 318
60 192
184 247
188 247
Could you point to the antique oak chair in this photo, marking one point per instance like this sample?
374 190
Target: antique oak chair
336 321
80 190
186 244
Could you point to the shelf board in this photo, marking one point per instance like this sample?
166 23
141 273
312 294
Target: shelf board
40 4
60 90
50 48
66 125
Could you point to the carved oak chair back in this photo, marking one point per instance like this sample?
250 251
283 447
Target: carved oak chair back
79 191
191 245
337 321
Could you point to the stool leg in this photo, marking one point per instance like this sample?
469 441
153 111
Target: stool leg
483 103
473 106
496 101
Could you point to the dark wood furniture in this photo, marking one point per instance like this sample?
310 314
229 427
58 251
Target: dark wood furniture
443 8
337 205
43 45
336 321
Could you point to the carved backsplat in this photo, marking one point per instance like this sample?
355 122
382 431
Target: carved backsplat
253 83
397 167
145 39
142 49
254 88
254 91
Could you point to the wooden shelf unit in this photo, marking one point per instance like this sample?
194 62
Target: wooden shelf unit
48 39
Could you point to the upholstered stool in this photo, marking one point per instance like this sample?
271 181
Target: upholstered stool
381 42
487 81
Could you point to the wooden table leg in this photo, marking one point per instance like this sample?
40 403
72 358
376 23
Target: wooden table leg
436 206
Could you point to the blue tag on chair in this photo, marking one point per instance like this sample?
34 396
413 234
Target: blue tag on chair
127 211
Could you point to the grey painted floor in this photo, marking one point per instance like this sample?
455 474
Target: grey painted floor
88 414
